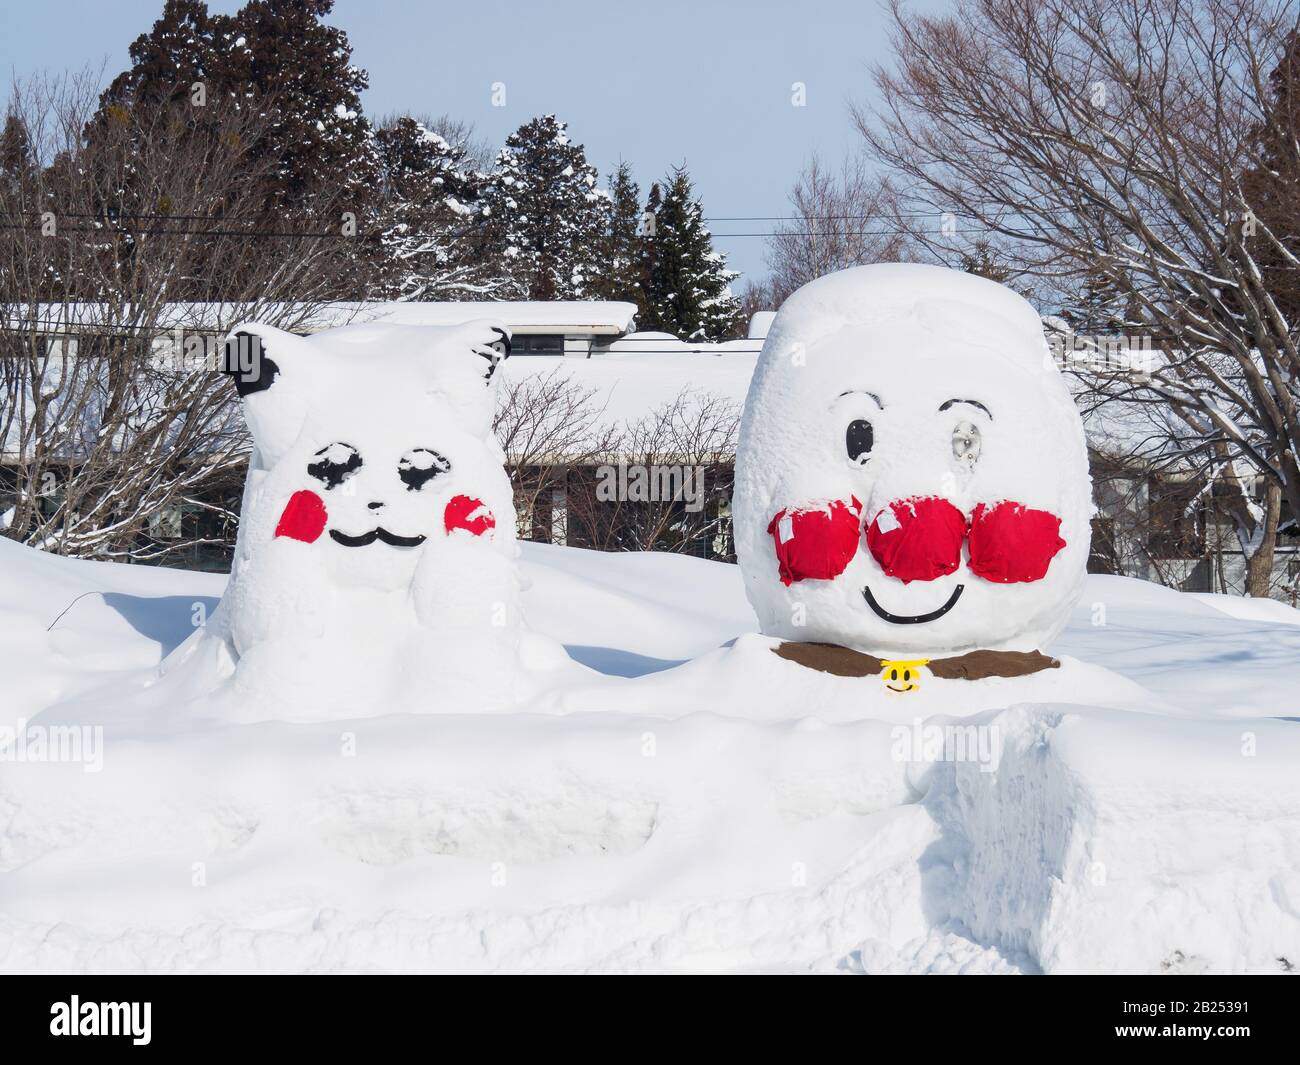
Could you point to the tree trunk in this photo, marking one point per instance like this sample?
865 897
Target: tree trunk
1259 565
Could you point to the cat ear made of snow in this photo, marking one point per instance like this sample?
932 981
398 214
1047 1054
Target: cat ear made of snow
491 342
267 366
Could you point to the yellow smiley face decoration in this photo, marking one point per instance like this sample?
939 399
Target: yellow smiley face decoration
902 676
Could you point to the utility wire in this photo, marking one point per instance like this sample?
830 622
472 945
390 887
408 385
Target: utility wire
113 227
108 215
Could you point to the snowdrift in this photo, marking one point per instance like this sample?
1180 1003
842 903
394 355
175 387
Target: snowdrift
1123 842
684 801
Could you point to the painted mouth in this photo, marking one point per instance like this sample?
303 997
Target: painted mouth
912 619
365 539
908 688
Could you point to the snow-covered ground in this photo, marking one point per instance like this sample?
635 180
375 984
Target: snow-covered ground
683 801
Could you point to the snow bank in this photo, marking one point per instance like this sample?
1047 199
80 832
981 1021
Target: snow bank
1121 842
66 626
1248 609
674 805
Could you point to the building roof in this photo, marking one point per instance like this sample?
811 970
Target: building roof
629 387
582 317
585 317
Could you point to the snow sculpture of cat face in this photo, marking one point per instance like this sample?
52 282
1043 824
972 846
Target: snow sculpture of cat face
376 542
911 476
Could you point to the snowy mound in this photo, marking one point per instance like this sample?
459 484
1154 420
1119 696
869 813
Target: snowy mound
1138 810
1114 842
911 479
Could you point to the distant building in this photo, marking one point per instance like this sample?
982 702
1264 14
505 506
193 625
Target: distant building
561 327
571 328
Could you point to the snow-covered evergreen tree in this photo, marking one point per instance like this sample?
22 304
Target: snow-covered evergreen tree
620 273
687 283
547 213
431 218
15 148
281 55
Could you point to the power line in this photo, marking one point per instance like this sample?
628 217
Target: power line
114 229
360 235
114 215
825 217
117 220
101 231
842 233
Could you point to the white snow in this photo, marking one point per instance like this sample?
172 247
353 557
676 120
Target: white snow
886 521
759 324
627 388
656 343
1091 850
601 317
364 760
577 316
725 814
1248 609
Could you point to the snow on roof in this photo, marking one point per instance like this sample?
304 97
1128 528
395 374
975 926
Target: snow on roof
633 386
630 378
597 317
121 318
594 317
667 344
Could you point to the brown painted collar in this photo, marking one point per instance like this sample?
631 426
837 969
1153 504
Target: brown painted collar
974 665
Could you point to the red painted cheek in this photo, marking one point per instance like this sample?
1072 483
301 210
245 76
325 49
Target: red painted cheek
816 544
1010 543
469 514
303 518
917 539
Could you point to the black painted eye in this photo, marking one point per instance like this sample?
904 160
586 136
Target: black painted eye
893 674
419 466
858 439
335 464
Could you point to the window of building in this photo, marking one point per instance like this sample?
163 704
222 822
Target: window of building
537 344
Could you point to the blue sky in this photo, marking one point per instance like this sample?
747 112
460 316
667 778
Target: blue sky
706 83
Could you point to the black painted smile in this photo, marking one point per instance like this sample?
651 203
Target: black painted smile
913 619
365 539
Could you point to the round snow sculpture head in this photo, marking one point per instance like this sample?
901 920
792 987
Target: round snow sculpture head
912 475
377 534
